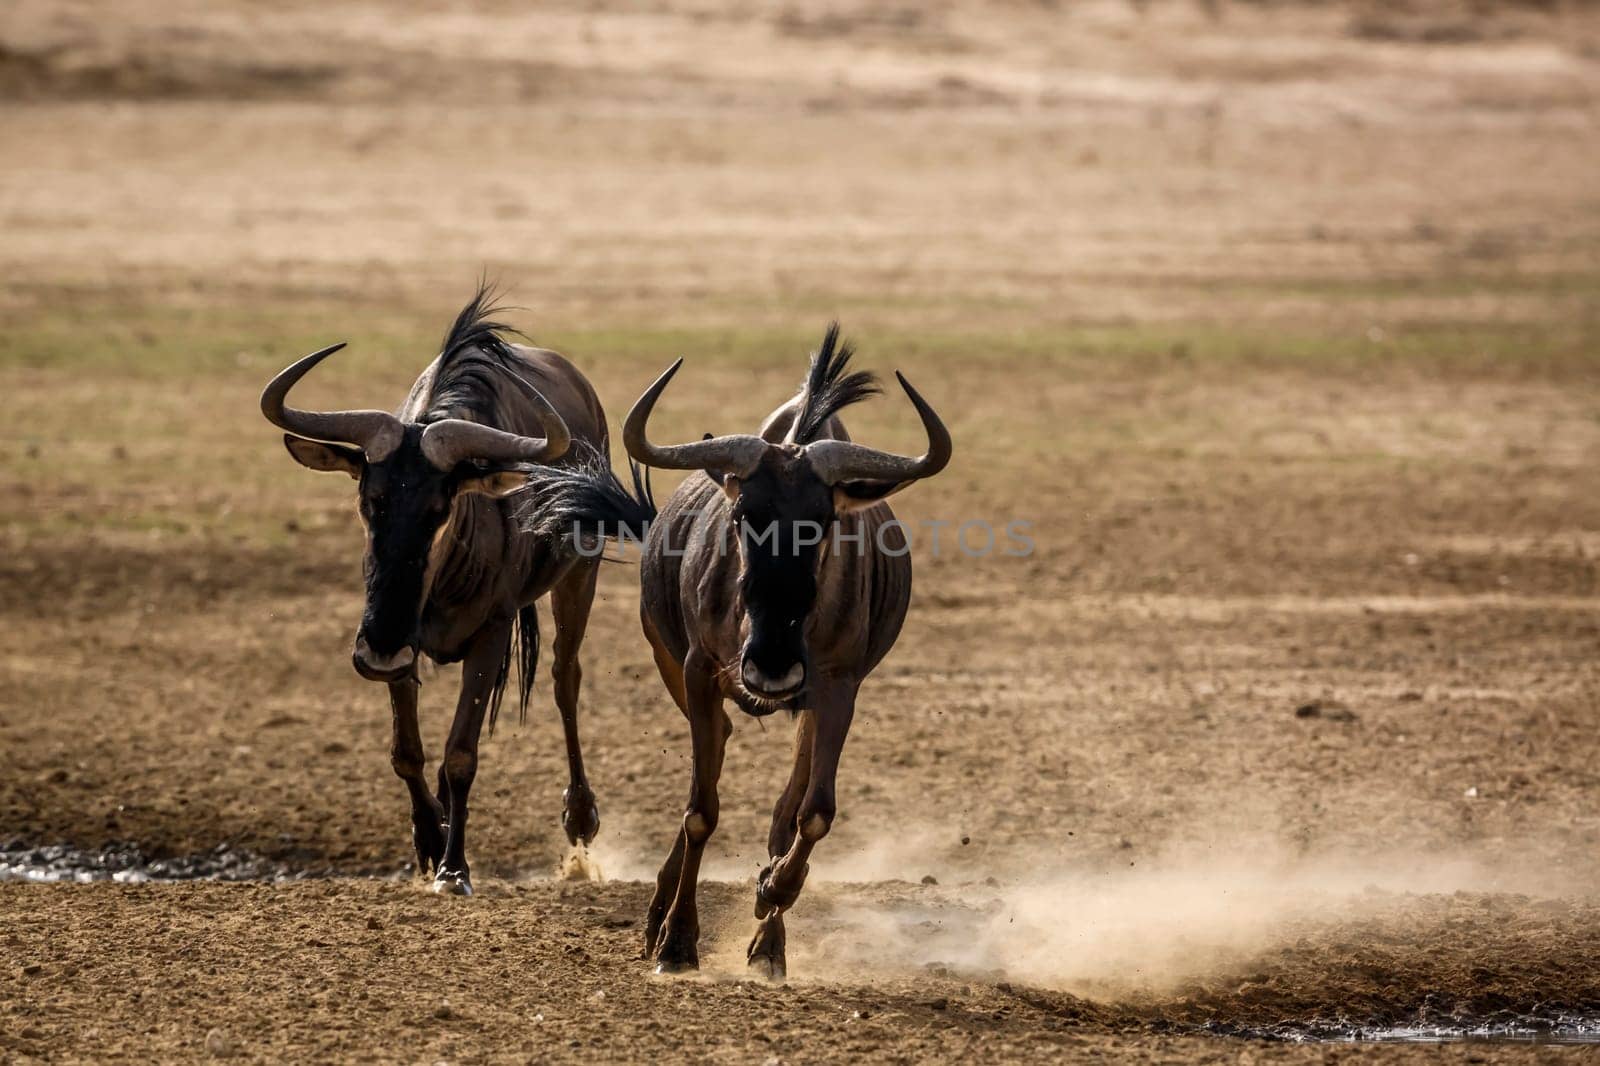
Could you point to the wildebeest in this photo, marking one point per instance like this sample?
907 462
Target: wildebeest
778 578
449 572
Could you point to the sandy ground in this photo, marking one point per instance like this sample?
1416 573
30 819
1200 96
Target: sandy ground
1277 325
372 971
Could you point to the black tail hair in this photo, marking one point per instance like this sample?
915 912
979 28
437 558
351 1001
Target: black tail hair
524 648
587 498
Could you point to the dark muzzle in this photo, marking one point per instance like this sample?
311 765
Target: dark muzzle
375 666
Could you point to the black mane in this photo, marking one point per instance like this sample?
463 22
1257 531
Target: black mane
828 389
472 382
474 359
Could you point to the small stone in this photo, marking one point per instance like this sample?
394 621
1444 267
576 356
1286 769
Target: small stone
1471 793
218 1046
939 1004
1330 710
929 879
373 923
29 969
601 994
443 1011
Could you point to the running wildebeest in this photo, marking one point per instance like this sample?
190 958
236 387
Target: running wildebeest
449 572
776 577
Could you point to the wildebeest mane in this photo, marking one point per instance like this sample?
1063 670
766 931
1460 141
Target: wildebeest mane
474 359
587 498
828 388
471 381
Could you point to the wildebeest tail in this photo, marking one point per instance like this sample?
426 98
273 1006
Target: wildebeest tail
587 500
523 648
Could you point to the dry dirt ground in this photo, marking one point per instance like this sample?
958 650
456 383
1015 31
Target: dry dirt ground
1277 323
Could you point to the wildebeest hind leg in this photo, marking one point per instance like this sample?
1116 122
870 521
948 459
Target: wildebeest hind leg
570 601
406 756
478 673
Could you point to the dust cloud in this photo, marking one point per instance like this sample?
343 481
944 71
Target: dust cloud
1119 928
1128 925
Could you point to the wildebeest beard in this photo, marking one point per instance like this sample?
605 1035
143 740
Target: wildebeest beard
404 501
779 529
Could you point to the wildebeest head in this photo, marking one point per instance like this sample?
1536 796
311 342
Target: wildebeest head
410 476
785 499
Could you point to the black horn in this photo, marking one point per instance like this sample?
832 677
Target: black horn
836 461
376 433
737 454
451 440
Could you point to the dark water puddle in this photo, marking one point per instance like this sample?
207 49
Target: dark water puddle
127 864
1520 1029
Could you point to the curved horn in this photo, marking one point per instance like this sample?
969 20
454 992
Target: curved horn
376 433
451 440
838 460
737 454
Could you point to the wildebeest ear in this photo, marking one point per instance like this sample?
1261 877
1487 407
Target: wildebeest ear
855 495
320 456
498 484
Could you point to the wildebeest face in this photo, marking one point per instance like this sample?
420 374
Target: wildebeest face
406 504
783 513
786 496
410 476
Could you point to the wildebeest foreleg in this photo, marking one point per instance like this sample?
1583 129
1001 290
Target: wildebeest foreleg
406 756
479 670
570 601
709 728
667 878
666 889
787 810
780 883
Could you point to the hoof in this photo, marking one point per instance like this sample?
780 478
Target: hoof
679 952
448 883
766 952
769 969
671 967
580 817
428 842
